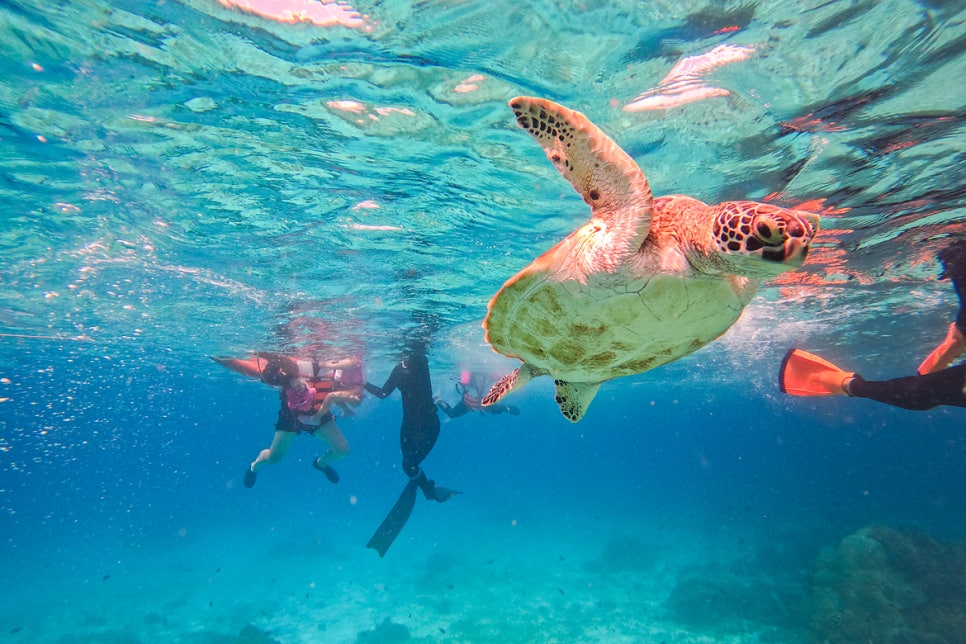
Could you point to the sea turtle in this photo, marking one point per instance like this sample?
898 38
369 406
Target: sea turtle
644 282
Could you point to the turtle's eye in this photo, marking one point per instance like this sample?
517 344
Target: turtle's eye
795 229
769 231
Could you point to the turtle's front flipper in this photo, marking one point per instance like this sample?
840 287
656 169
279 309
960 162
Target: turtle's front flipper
605 176
574 398
513 380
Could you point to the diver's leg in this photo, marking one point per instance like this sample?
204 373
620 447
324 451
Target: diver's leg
347 399
959 283
338 449
275 453
416 442
502 409
446 408
915 392
953 259
455 411
950 348
335 440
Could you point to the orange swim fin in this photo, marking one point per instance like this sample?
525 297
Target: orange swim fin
249 367
805 374
271 368
943 355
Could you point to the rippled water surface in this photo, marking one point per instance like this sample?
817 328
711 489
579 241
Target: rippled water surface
175 162
186 179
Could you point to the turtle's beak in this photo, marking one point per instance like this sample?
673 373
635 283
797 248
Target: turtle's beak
800 232
791 253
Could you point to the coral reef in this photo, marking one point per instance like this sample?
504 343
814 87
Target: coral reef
891 586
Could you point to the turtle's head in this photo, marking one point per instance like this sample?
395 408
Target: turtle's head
760 240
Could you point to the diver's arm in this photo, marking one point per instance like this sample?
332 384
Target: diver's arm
386 389
341 364
378 392
447 408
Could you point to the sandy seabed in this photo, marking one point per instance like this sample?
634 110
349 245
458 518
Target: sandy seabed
459 581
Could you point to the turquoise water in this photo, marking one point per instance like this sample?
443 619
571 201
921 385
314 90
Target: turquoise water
186 179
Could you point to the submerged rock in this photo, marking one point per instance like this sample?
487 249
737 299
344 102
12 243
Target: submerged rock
388 632
250 634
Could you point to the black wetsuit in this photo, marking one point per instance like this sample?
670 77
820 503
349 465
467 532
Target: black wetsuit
461 408
943 387
953 259
915 392
420 424
417 436
457 410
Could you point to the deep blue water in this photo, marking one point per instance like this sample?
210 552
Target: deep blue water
180 180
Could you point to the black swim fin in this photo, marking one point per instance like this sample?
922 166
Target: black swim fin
434 492
444 494
395 521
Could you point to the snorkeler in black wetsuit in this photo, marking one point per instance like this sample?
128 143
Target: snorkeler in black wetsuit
417 436
804 374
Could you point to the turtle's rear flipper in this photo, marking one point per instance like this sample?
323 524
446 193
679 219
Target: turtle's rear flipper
513 380
502 387
574 398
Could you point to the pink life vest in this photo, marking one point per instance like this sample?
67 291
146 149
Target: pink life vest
301 400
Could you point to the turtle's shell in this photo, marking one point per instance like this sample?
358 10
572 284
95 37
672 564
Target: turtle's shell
606 324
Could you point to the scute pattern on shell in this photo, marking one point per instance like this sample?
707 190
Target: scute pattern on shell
593 333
